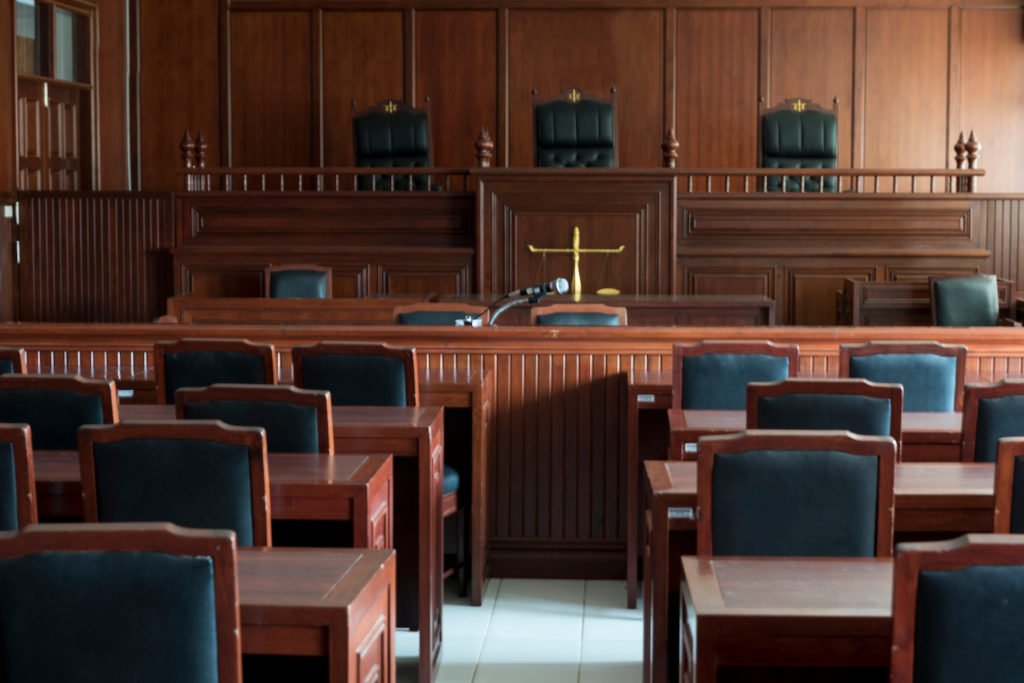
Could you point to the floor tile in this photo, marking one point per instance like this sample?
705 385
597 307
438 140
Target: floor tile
605 616
611 661
551 661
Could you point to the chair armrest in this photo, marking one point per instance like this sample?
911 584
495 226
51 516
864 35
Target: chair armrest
1008 322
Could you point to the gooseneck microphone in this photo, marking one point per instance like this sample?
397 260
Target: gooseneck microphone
558 286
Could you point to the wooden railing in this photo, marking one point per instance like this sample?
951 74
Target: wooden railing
813 181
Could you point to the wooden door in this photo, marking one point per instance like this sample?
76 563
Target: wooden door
52 125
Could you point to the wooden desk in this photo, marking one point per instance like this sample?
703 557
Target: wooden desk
792 613
931 499
415 436
334 603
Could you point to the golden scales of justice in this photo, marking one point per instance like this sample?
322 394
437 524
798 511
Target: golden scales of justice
575 250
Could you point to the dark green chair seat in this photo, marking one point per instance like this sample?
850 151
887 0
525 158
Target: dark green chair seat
575 134
805 139
965 301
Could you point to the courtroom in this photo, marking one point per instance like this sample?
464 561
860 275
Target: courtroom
490 341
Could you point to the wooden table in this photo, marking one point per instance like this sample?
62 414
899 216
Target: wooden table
415 436
334 603
792 613
931 499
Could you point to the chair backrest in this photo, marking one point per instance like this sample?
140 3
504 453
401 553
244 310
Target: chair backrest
438 313
55 406
800 134
579 315
298 282
359 374
17 478
198 474
957 607
296 420
575 130
854 405
965 301
932 374
991 412
713 375
13 361
1008 517
395 135
202 362
790 493
138 602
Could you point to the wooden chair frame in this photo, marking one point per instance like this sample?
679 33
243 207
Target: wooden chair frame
320 400
17 357
1005 295
169 539
567 96
913 558
858 387
710 447
873 348
703 348
436 306
20 438
105 389
285 267
267 352
1010 449
253 438
973 394
403 353
605 309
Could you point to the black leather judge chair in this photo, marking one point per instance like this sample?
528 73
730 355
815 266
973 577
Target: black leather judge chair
573 130
297 282
800 134
393 135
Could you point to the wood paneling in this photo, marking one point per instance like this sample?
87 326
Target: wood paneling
992 93
717 87
798 70
906 101
1004 237
271 69
8 113
177 86
8 267
551 51
112 144
456 69
98 257
363 64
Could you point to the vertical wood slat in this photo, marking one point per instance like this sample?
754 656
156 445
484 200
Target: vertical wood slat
94 257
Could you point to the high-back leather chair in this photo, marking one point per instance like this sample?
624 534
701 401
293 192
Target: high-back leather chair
800 134
17 478
713 375
140 602
971 301
297 282
932 374
56 406
392 134
575 130
991 412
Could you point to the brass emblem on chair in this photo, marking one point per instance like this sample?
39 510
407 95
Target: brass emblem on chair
799 105
575 250
575 96
391 107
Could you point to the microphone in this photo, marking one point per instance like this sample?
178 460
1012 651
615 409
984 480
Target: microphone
559 286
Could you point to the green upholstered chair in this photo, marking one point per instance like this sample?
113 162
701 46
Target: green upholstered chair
438 313
1009 488
791 493
296 420
201 474
106 603
579 315
932 374
392 134
12 361
574 130
298 282
202 362
957 608
971 301
17 478
56 406
991 412
714 375
800 134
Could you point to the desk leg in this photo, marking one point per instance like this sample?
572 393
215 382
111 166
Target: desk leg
430 554
656 657
632 494
480 424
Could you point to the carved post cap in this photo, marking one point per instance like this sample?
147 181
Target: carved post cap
670 149
188 150
961 151
972 147
200 147
484 149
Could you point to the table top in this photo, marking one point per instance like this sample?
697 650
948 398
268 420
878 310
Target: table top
345 417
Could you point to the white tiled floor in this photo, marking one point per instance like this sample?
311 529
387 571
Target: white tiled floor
537 631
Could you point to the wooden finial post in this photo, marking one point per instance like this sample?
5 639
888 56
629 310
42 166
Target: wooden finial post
200 148
960 148
973 147
188 150
670 149
484 149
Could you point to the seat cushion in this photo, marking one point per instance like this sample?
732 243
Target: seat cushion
967 301
858 414
579 319
298 284
997 417
54 416
929 381
450 483
718 381
290 428
8 489
203 368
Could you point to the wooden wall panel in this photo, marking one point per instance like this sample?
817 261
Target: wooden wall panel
1004 237
272 121
112 143
906 101
8 267
178 86
798 70
8 111
94 257
363 64
992 93
456 69
551 51
717 87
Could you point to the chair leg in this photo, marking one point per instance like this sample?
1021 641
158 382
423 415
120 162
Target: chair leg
462 542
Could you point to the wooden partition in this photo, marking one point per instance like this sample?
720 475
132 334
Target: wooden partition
558 436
